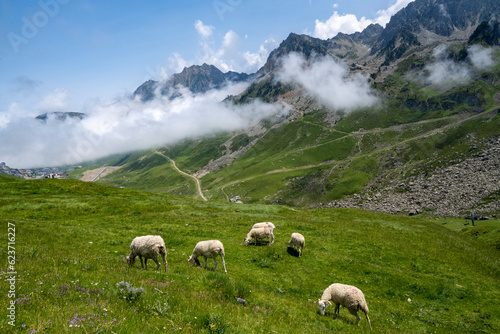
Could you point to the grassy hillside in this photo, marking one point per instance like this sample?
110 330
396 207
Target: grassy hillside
327 165
152 172
71 237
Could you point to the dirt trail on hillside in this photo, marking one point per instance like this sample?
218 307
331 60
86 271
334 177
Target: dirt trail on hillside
455 121
93 174
194 178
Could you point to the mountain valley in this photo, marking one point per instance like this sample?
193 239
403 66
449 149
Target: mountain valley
426 122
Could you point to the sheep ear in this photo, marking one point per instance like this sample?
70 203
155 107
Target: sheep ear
329 302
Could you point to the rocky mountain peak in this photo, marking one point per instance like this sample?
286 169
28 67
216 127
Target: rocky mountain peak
303 44
197 78
488 32
60 116
444 18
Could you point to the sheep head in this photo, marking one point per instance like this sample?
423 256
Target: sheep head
194 261
323 304
130 259
247 240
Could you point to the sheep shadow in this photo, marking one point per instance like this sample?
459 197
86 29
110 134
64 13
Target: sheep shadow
260 243
292 251
338 317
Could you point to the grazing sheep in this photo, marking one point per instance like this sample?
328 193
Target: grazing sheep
346 295
260 233
208 249
266 224
149 247
298 242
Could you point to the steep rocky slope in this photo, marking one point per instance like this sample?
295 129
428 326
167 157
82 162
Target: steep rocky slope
468 186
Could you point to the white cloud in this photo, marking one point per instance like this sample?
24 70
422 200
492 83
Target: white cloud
122 125
256 60
480 57
384 15
227 56
58 100
176 63
204 30
349 23
447 73
443 11
328 81
230 44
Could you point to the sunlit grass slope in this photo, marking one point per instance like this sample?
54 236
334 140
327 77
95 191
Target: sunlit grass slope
71 238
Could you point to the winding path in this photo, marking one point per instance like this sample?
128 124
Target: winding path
196 180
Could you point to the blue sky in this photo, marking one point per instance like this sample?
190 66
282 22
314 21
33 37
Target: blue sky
69 52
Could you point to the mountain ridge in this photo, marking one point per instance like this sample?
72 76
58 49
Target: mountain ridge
60 116
196 78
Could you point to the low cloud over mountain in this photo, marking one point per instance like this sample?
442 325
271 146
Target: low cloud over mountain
329 81
123 125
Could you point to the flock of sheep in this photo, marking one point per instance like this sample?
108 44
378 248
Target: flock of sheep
150 246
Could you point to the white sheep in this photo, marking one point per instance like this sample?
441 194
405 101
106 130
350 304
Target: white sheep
260 233
298 242
266 224
346 295
149 247
208 249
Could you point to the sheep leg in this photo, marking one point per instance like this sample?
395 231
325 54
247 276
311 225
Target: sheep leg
337 309
223 263
146 263
215 260
369 323
205 259
164 258
272 238
142 264
157 264
357 318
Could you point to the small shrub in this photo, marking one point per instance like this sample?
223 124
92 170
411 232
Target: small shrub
32 252
160 309
216 325
129 292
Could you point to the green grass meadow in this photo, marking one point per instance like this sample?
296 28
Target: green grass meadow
418 276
